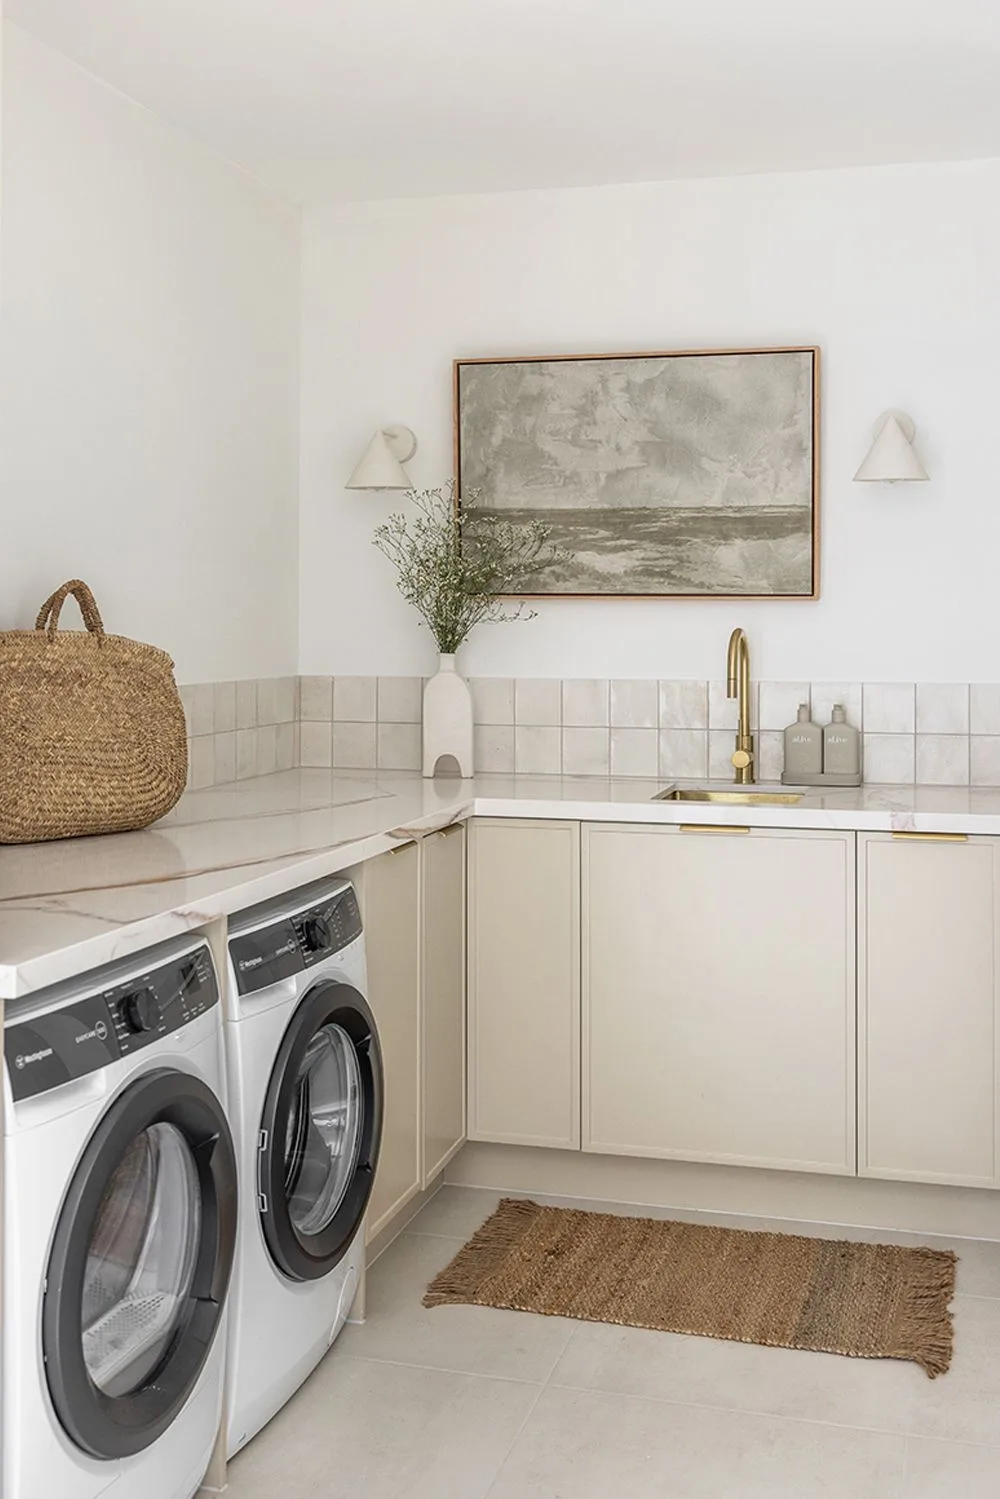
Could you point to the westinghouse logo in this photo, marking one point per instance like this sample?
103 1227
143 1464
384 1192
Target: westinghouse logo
25 1059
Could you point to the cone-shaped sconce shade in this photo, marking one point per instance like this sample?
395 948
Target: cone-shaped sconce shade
891 457
381 464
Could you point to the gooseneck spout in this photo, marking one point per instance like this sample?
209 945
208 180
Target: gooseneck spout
738 686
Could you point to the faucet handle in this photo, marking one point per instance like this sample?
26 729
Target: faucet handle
741 759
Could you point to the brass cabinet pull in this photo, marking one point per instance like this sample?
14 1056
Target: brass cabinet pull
933 837
453 827
710 827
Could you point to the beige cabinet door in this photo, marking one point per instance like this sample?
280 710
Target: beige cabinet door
929 1008
719 1007
443 1047
391 896
524 982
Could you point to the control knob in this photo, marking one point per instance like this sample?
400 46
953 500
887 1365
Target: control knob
141 1010
316 933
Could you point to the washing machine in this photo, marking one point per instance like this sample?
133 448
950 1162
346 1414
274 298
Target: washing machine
119 1228
305 1088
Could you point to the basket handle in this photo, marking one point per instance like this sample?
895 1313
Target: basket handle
48 614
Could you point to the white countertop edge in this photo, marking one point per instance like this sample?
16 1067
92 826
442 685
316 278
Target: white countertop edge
874 809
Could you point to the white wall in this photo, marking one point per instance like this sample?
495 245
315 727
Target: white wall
148 436
895 272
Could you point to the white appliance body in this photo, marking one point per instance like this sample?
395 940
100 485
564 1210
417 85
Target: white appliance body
306 1114
166 1218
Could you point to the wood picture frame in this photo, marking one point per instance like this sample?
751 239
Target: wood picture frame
683 473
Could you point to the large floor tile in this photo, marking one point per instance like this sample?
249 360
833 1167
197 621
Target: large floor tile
579 1445
738 1376
469 1339
455 1212
950 1470
384 1430
964 1405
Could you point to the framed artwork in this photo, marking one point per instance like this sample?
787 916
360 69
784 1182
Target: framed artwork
673 475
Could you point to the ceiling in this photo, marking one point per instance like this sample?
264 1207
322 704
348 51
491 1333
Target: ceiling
384 98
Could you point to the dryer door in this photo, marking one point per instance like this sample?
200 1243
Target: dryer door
320 1132
140 1264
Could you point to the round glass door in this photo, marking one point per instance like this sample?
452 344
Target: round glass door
324 1130
140 1264
140 1260
320 1132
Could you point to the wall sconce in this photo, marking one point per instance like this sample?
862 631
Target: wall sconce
381 464
891 457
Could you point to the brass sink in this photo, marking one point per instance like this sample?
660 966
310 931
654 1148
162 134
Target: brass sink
736 797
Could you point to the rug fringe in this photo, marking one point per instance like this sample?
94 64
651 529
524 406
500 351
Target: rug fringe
483 1254
926 1327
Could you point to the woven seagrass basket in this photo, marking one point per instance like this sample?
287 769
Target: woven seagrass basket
92 732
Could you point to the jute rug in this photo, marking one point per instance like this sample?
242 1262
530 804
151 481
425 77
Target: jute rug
781 1290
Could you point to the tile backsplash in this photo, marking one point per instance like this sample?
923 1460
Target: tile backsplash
944 735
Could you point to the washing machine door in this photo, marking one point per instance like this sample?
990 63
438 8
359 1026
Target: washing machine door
140 1264
320 1132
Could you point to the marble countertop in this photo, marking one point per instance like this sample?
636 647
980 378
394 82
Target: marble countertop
72 905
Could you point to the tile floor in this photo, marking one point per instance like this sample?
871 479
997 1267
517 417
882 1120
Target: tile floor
472 1403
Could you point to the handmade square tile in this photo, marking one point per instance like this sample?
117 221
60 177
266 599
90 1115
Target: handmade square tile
354 699
316 744
683 754
683 705
199 708
942 708
721 744
287 749
889 759
201 762
586 752
493 748
246 754
585 702
225 707
246 704
634 704
889 707
399 746
316 699
286 699
984 751
267 700
492 699
723 711
400 699
537 750
984 708
942 759
537 701
826 695
634 752
779 703
770 752
225 758
267 749
353 746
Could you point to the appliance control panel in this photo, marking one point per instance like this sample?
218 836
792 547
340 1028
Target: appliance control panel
291 944
53 1046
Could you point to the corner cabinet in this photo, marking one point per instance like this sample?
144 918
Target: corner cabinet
929 1008
524 982
390 888
718 995
442 894
413 901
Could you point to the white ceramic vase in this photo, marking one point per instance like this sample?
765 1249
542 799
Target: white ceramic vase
447 719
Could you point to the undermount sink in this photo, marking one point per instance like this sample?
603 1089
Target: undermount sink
736 797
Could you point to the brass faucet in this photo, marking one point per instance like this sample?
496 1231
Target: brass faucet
738 685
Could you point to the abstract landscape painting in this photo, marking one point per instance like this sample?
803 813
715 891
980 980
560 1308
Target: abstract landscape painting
689 474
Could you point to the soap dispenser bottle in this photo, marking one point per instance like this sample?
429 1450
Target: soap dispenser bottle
841 745
803 746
